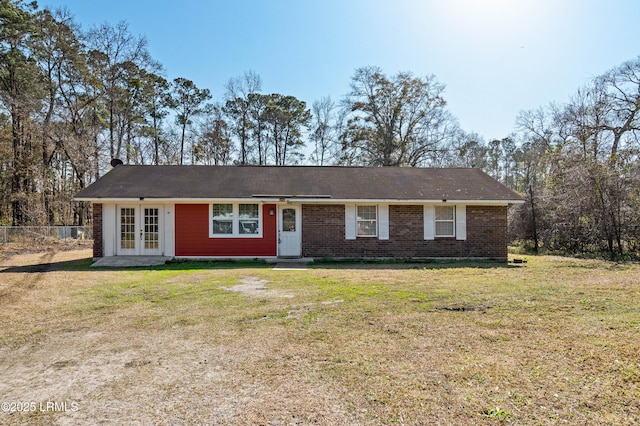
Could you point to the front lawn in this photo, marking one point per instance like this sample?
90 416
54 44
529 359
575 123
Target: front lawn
554 340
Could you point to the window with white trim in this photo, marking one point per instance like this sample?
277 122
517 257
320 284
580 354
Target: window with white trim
445 221
235 220
248 219
367 221
222 219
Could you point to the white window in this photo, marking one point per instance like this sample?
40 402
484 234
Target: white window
249 219
235 220
222 219
367 221
445 221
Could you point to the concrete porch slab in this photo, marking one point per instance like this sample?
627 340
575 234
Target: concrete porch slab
129 261
291 264
298 260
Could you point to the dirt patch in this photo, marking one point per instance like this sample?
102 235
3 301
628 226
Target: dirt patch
250 286
256 287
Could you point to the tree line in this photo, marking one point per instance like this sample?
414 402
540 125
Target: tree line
582 177
71 100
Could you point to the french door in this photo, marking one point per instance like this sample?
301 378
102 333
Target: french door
139 230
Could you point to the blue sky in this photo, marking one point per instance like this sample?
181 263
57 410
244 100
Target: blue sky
495 57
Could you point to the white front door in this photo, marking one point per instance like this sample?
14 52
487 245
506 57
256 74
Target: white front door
289 233
139 230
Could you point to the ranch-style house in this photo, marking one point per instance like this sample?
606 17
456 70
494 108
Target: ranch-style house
299 211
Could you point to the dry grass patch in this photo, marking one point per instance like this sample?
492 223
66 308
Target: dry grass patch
555 340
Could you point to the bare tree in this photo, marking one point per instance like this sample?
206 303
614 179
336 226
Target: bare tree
398 121
239 107
323 129
71 124
622 87
113 54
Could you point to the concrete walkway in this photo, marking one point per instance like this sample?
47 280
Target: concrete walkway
282 266
129 261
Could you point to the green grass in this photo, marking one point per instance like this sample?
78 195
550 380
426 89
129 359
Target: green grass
554 340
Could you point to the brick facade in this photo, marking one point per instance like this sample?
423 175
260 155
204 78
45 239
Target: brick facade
97 230
323 234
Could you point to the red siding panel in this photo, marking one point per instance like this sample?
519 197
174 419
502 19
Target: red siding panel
192 235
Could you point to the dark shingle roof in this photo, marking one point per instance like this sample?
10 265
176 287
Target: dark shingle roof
342 183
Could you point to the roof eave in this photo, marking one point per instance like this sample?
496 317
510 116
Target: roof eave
321 200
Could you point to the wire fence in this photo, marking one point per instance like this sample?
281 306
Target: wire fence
26 234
